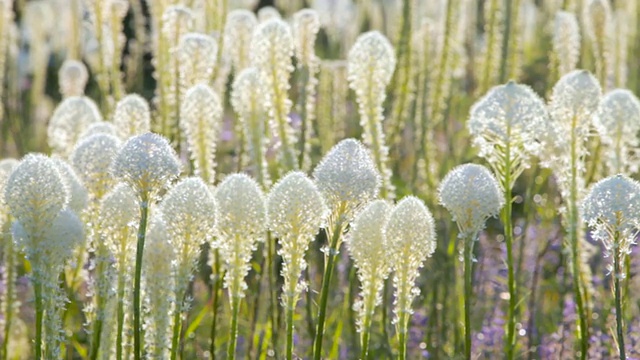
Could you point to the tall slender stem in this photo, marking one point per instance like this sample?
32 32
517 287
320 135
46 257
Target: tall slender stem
290 308
177 327
510 342
235 309
324 293
9 277
39 313
137 314
216 299
616 281
468 289
573 238
120 313
368 311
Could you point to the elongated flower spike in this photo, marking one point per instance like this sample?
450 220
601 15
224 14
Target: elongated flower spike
612 210
188 210
73 77
295 213
598 26
70 119
9 303
241 216
372 62
410 232
272 44
619 117
92 159
472 195
267 13
159 290
197 59
246 100
36 196
238 31
132 116
348 180
368 247
566 41
146 163
201 121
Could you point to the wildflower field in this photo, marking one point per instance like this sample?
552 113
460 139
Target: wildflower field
319 179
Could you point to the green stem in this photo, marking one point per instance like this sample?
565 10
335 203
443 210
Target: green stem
39 316
177 327
468 290
506 42
137 314
9 293
402 318
616 280
573 238
95 341
368 311
290 308
216 299
272 276
235 309
120 314
324 293
510 342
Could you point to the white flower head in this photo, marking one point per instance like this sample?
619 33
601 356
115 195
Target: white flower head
619 117
472 195
92 159
612 209
372 57
306 24
100 127
566 41
197 54
73 77
132 116
348 178
147 163
77 191
238 30
577 94
69 120
35 193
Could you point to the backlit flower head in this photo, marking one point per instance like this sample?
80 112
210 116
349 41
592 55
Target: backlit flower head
6 168
197 58
201 120
147 163
119 215
347 178
512 116
372 61
306 24
100 127
70 119
92 160
73 77
238 31
472 195
619 116
35 193
77 191
612 209
132 116
241 216
267 13
566 41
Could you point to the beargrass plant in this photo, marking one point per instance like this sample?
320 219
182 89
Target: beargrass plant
472 195
132 116
348 180
238 30
72 78
598 26
368 247
306 25
372 62
573 106
69 120
241 216
619 121
295 213
47 232
188 210
8 299
566 42
273 46
612 209
147 164
504 125
410 232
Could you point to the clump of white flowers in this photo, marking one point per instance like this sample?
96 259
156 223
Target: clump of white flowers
238 30
410 232
368 247
508 119
472 195
566 41
197 59
73 77
612 210
92 159
47 232
146 163
241 216
100 127
201 113
619 118
132 116
295 213
372 62
8 300
246 99
272 44
78 194
69 120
